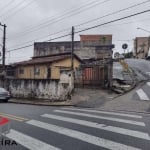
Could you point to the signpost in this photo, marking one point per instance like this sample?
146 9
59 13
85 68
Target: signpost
124 46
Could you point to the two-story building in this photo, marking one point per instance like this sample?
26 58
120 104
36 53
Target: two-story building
52 58
141 47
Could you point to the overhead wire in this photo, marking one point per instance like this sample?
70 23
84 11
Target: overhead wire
89 28
64 30
109 14
10 9
6 5
113 13
63 16
16 12
44 41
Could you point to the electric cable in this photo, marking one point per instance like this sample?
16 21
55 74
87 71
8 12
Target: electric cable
89 28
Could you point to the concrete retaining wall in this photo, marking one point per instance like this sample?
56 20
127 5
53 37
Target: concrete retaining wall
56 90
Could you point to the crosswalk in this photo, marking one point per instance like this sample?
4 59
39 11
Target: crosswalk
143 93
99 129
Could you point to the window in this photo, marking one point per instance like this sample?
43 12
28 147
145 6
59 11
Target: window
64 69
48 73
21 71
36 71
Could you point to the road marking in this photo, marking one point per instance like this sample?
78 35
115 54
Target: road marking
82 136
29 142
123 131
148 73
142 95
148 83
105 118
13 117
104 112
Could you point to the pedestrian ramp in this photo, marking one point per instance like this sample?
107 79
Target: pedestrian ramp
88 128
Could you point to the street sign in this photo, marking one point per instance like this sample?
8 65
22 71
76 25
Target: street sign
125 46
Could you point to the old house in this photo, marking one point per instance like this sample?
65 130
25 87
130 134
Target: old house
89 47
46 67
94 50
43 77
48 74
141 47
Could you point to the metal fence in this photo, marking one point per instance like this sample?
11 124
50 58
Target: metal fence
92 76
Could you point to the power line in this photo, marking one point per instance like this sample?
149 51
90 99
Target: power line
6 5
88 28
9 10
16 12
113 13
109 14
66 29
65 15
44 41
113 21
91 21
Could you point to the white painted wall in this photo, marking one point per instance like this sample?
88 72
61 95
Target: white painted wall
55 90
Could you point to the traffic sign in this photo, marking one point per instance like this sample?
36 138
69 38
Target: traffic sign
125 46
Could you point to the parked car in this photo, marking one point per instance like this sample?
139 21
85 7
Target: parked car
4 95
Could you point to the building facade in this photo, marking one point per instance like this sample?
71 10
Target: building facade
45 67
89 47
141 47
51 59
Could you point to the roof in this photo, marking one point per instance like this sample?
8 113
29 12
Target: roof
47 59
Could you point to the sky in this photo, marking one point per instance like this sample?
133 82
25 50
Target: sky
30 21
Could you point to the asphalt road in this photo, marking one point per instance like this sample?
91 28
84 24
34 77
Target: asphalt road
141 67
68 128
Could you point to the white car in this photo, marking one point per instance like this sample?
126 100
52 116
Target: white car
4 95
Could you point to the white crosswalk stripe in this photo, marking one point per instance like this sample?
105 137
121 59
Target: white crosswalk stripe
29 142
123 131
142 95
104 112
138 123
33 143
82 136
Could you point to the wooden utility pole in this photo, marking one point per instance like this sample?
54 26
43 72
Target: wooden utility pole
4 48
72 49
3 53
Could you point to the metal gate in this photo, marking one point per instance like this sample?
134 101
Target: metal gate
91 76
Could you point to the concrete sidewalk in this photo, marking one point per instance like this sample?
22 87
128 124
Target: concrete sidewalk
80 98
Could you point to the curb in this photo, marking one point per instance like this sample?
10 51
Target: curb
39 104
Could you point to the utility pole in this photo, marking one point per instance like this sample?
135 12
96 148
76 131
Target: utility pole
3 52
72 49
4 48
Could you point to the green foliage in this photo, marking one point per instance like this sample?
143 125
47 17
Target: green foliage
128 55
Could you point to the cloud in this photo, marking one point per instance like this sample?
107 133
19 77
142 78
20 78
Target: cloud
20 26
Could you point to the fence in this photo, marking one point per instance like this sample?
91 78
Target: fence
93 76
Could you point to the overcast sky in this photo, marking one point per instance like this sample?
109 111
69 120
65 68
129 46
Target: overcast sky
39 20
